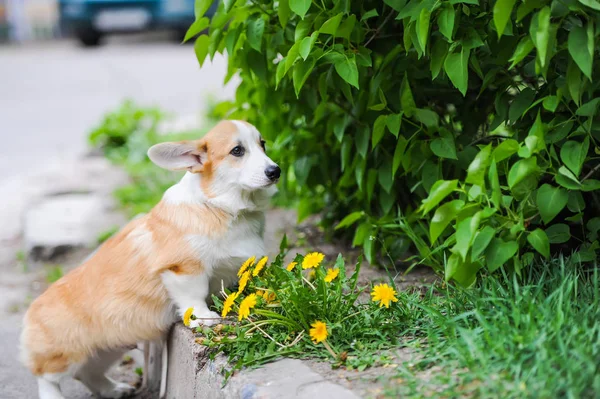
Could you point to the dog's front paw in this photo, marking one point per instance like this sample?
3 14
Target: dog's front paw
196 317
207 319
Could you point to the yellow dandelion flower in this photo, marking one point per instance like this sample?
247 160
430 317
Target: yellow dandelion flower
332 275
312 260
243 281
291 266
248 303
311 275
266 295
259 266
249 262
187 316
318 332
384 294
228 304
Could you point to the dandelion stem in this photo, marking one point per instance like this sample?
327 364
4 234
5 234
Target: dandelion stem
335 356
309 283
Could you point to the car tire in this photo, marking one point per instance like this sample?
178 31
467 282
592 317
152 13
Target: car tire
89 37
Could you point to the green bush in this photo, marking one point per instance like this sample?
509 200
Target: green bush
124 136
468 128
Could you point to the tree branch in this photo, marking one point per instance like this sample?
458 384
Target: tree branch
385 21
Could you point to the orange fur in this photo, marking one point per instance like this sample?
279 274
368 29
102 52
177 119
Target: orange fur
118 297
84 312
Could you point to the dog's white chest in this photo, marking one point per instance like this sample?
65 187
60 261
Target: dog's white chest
243 239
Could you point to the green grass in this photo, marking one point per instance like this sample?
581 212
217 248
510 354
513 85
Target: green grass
535 338
532 337
54 273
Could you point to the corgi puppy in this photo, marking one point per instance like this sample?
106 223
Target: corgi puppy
145 277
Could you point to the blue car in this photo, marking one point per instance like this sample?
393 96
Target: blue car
90 20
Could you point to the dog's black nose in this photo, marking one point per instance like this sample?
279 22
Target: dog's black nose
273 172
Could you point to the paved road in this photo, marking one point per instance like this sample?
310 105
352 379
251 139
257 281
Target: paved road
51 95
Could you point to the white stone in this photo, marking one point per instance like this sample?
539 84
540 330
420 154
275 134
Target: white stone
66 221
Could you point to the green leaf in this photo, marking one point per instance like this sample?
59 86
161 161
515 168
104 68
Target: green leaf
590 185
574 82
423 27
444 146
350 219
440 190
331 25
558 233
302 29
407 101
398 153
201 48
465 234
363 231
576 202
567 179
594 4
397 5
346 68
495 185
228 4
481 241
291 57
502 11
438 56
379 129
256 28
300 7
427 117
362 141
393 123
283 12
581 50
550 103
478 167
306 45
499 252
523 49
464 273
301 72
589 108
198 26
550 201
200 7
505 149
573 154
457 68
522 169
521 102
445 21
539 241
442 218
385 175
542 34
346 28
369 14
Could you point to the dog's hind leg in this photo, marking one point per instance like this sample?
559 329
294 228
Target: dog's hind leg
146 351
48 387
164 369
93 375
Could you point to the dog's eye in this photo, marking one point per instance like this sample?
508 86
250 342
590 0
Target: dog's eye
262 144
237 151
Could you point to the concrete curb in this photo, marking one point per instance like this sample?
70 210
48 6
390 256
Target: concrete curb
192 375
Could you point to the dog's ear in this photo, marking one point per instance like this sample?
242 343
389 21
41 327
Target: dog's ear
182 155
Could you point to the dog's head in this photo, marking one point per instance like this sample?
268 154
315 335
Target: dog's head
231 156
